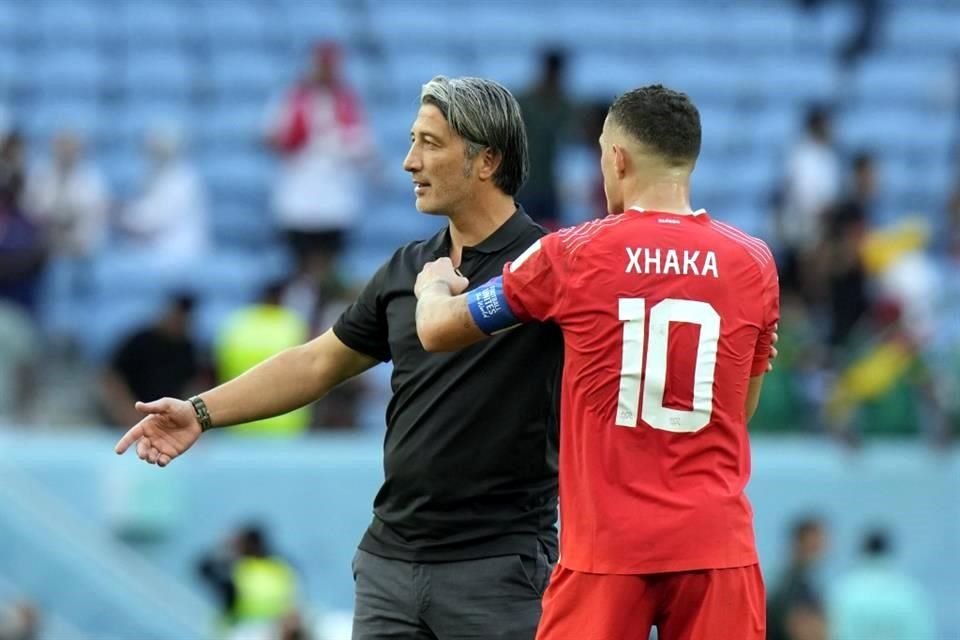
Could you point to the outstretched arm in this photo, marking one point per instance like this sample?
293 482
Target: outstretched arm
285 382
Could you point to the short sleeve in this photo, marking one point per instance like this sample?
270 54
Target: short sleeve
770 300
363 325
533 282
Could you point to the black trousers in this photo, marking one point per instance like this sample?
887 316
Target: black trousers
496 597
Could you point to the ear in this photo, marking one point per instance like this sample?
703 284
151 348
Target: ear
488 162
620 160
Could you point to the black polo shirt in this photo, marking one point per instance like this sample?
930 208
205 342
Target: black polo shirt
470 454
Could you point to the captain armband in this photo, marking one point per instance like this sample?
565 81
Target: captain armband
489 308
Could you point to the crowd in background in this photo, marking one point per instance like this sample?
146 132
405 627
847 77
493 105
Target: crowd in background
869 334
870 312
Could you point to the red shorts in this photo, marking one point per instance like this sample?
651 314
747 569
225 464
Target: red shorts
713 604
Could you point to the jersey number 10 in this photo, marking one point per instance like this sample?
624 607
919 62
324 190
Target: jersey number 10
652 411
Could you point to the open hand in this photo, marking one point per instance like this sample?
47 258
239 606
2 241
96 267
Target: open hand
168 429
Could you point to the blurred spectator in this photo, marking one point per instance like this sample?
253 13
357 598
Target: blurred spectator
19 360
68 198
22 253
862 38
293 627
321 297
256 588
886 388
876 600
795 604
133 373
811 186
320 132
21 621
793 389
548 113
595 114
249 337
840 258
168 221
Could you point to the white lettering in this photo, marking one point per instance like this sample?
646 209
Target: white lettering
710 264
672 262
652 259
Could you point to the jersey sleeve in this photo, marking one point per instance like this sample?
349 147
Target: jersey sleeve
533 283
363 325
770 300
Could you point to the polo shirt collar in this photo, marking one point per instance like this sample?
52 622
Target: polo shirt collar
497 241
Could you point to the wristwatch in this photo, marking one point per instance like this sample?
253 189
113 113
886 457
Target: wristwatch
203 414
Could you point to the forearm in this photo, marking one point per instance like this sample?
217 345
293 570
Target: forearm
287 381
444 322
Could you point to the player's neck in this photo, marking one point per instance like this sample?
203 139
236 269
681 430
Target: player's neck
477 222
668 195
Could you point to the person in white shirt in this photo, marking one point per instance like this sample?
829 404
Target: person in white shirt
878 601
319 131
811 186
169 219
68 198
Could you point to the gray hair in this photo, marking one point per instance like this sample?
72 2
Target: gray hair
486 115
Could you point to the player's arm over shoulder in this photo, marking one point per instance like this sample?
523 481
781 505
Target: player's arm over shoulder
448 323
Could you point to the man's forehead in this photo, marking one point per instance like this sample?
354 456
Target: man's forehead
431 120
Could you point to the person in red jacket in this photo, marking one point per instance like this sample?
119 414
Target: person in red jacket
319 131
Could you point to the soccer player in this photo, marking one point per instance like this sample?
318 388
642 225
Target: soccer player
668 318
463 535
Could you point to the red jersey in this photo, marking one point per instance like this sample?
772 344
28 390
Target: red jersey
665 318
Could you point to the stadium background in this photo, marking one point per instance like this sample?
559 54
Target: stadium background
109 70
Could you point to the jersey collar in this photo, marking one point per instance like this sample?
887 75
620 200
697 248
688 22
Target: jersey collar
700 215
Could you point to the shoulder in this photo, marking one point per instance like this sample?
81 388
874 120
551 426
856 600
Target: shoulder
750 247
570 240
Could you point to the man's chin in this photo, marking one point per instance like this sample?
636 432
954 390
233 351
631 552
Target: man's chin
426 208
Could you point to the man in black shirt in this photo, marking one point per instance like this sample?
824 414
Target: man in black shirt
463 533
133 372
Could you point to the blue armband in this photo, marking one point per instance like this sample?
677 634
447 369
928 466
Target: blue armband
489 308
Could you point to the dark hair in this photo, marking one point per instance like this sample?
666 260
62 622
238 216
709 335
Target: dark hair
862 160
804 526
662 119
818 118
876 543
486 115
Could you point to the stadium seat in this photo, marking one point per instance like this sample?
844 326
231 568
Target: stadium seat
797 78
419 24
61 70
405 72
235 22
11 75
517 70
226 123
153 24
238 175
70 22
159 71
307 22
603 76
245 73
922 30
889 78
48 117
